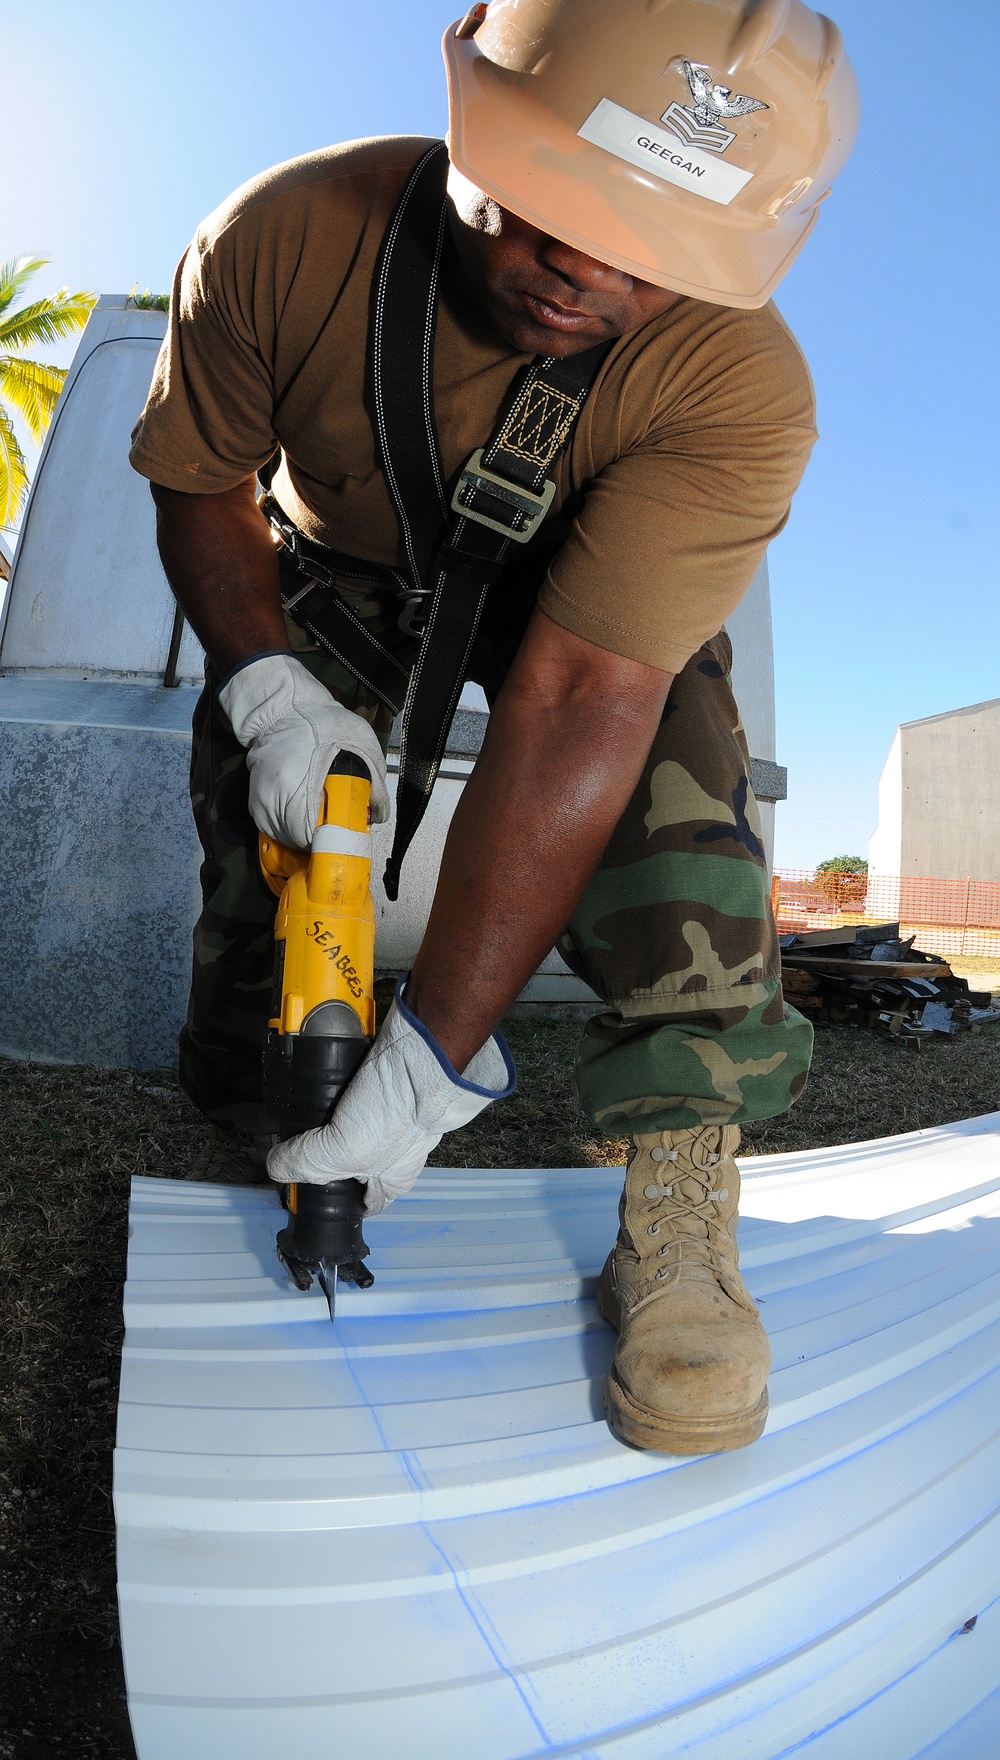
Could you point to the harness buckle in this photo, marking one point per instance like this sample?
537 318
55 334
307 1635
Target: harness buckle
498 503
411 618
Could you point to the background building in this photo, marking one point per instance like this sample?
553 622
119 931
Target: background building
939 798
934 859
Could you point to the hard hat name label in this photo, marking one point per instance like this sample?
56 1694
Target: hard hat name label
635 140
678 159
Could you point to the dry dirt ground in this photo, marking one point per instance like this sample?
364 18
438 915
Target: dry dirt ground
70 1140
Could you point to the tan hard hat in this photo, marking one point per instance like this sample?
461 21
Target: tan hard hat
688 142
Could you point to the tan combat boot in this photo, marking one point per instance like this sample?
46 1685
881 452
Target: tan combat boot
690 1368
232 1158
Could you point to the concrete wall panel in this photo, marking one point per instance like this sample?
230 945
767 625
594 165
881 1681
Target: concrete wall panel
885 846
951 794
939 798
749 630
97 906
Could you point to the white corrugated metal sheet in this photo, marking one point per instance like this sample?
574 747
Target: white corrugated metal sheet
412 1535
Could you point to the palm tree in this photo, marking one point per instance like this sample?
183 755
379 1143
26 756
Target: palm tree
26 386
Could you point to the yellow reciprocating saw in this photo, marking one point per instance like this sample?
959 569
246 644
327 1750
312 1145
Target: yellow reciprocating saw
323 1016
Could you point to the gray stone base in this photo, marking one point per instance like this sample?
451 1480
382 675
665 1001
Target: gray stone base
98 886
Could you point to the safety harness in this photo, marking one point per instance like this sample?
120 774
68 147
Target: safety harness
455 550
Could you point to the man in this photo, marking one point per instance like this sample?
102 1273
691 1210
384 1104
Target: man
623 175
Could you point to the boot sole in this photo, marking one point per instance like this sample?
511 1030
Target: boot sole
657 1432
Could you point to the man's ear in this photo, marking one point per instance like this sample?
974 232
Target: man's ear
473 206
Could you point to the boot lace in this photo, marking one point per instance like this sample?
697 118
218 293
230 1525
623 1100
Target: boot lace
679 1205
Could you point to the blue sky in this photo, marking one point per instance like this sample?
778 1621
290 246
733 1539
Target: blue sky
124 125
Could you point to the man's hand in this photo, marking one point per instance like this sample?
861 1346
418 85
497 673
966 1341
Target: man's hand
220 560
293 729
394 1111
564 749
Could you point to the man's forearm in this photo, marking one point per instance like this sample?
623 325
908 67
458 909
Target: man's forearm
219 557
564 750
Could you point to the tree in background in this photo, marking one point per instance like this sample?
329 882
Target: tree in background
28 388
843 879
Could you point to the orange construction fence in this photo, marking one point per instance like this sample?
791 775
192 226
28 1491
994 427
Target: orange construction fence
950 917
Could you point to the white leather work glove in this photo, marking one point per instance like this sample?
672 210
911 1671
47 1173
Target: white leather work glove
394 1111
293 729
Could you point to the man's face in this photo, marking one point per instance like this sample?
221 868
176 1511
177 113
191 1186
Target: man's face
543 296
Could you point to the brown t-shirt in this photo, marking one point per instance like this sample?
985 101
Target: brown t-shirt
678 474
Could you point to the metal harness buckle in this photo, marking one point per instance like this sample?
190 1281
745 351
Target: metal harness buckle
411 618
498 503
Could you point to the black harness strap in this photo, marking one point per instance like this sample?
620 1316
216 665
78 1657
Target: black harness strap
501 498
401 359
535 425
541 415
309 573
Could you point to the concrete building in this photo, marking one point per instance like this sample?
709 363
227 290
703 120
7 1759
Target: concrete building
939 798
96 911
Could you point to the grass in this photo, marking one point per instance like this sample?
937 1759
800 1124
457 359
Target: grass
982 970
70 1141
146 301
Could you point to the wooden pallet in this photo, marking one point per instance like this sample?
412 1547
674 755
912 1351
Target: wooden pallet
864 968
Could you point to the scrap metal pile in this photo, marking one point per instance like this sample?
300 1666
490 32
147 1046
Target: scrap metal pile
869 977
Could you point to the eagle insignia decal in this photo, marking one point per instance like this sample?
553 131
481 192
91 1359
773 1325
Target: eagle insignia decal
700 123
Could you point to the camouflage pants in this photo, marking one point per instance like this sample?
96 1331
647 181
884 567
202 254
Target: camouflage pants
674 932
